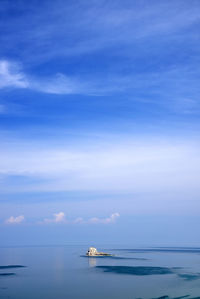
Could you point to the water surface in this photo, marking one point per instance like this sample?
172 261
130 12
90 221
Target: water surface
64 272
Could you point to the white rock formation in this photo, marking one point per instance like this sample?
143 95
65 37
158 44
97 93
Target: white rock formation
92 251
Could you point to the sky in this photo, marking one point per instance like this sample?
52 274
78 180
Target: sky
99 122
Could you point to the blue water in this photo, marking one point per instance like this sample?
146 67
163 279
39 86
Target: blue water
64 272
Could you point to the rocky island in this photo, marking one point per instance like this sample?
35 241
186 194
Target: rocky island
92 251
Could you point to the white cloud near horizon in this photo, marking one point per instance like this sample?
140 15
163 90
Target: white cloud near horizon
107 220
57 218
97 220
60 218
15 220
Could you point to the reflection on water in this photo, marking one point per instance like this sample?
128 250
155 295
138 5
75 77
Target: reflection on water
92 261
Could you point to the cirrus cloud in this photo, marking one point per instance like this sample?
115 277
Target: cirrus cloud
11 75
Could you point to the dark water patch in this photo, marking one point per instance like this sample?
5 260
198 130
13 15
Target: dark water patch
11 266
167 297
115 257
129 258
180 297
7 274
161 249
139 271
190 277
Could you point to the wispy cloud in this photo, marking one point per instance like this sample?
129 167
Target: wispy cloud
11 75
127 30
57 218
76 28
170 88
122 164
15 220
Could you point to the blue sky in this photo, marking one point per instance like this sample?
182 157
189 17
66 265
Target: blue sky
99 122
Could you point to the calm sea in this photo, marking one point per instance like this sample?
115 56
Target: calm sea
64 272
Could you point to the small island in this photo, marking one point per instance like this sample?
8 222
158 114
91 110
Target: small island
92 251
